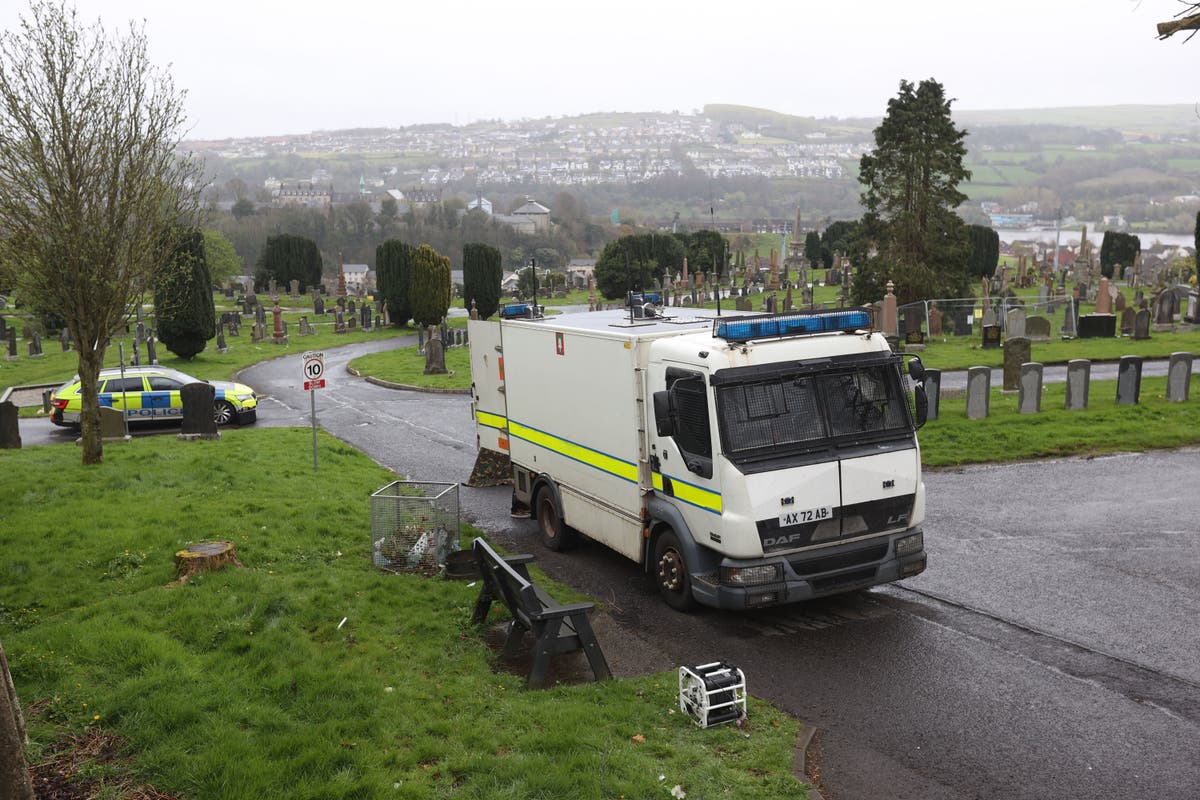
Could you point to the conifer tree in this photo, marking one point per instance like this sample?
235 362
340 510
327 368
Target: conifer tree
393 264
482 272
910 190
183 299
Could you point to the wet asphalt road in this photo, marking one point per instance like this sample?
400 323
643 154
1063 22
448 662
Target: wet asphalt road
1051 650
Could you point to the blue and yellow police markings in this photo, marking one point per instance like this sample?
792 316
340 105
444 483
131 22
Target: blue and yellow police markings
145 405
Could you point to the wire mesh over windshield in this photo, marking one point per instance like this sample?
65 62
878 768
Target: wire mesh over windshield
791 414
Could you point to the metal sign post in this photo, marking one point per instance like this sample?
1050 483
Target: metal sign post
314 378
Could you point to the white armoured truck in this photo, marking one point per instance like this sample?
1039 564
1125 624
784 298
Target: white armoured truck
742 460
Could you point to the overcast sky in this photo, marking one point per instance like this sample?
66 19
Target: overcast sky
258 67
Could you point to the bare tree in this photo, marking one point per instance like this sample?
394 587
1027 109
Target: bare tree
92 186
1186 20
14 775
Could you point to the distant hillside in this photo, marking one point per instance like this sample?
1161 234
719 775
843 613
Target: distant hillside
1165 119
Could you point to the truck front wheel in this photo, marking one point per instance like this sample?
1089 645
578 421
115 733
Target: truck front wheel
555 533
671 572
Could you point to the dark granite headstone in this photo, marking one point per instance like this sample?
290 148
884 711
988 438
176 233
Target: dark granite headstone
991 336
198 421
10 428
1141 324
1094 326
1128 317
319 306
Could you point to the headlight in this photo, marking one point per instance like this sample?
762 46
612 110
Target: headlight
910 544
752 576
242 398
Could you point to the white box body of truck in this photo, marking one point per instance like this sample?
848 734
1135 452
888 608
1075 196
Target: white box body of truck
744 461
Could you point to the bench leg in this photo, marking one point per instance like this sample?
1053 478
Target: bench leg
591 648
512 644
483 605
543 651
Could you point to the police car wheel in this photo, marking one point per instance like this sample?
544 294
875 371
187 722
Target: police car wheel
671 573
223 413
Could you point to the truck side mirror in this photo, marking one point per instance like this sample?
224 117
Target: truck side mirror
664 420
916 370
921 401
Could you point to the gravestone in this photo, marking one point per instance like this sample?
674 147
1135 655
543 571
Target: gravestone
1128 318
989 316
64 339
933 391
136 358
979 390
339 320
258 332
319 306
366 317
352 308
305 330
221 346
1129 380
198 421
1103 298
1030 399
991 336
914 340
152 351
260 315
962 322
1016 353
1068 327
12 344
1079 374
278 335
1037 329
1141 324
35 345
1095 326
10 427
1015 323
351 322
1119 304
112 425
3 329
1179 377
228 292
295 293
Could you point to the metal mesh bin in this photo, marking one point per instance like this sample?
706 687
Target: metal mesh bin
414 526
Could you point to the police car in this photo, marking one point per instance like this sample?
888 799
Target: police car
152 393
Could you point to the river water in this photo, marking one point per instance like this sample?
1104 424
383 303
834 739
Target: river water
1071 236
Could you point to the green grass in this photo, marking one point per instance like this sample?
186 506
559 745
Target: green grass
56 366
960 352
405 366
1103 427
241 683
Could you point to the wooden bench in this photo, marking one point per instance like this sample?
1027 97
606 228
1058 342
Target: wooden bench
556 628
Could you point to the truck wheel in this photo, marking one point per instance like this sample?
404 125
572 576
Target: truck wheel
671 573
555 533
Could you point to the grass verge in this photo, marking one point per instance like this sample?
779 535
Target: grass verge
241 683
1103 427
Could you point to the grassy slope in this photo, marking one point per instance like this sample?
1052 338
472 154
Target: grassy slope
241 683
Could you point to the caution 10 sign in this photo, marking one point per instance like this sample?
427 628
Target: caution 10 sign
314 371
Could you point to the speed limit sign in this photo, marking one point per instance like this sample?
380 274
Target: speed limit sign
314 371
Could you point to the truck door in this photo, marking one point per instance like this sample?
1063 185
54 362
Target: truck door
681 461
488 404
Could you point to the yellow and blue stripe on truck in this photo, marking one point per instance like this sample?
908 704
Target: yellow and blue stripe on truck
667 485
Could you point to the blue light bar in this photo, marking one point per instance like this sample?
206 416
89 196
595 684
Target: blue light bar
766 327
514 310
644 297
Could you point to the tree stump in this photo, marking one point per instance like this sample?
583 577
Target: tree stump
205 557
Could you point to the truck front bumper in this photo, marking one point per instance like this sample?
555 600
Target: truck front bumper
805 576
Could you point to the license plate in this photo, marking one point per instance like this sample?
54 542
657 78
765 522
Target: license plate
789 518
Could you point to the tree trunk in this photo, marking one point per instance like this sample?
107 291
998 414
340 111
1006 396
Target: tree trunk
205 557
14 774
90 361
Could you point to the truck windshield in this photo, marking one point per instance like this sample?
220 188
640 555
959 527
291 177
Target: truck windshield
782 414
